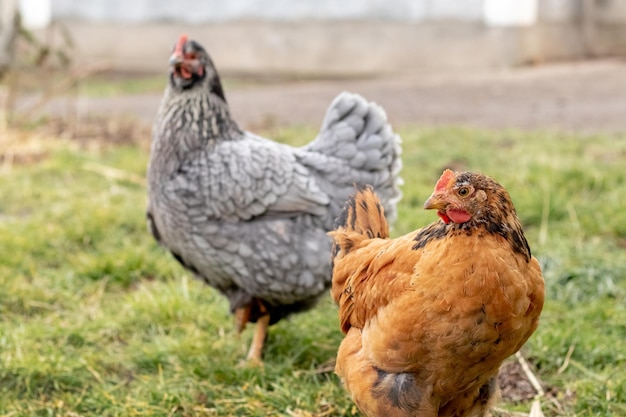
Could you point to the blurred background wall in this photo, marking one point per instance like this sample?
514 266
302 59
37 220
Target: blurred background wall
331 38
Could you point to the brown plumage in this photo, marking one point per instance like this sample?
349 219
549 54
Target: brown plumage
430 316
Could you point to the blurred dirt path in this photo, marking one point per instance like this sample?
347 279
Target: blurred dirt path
586 96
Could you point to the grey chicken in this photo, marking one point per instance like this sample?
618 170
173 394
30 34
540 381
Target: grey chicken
248 215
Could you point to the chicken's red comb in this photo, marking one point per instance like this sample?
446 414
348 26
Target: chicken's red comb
178 50
444 180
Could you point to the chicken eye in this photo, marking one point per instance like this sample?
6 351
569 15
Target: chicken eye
463 191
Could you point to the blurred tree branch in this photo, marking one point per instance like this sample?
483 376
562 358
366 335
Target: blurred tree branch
9 28
35 65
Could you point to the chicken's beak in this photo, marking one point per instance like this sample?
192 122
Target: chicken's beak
176 59
435 201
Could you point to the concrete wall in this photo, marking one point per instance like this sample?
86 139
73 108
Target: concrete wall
211 11
351 37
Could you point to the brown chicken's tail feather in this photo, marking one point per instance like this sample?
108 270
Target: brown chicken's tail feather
363 217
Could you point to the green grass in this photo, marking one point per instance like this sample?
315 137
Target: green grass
104 84
96 320
107 85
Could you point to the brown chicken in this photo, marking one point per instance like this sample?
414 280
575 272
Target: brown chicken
430 316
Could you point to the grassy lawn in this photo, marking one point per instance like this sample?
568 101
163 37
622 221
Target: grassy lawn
96 320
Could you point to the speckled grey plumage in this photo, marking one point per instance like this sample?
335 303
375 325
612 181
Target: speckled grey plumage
249 216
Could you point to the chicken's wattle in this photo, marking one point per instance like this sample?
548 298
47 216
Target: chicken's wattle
444 217
458 216
454 215
185 73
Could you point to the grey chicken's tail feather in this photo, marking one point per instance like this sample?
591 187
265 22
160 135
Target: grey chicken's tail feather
356 145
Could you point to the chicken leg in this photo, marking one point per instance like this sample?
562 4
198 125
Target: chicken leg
242 316
260 333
